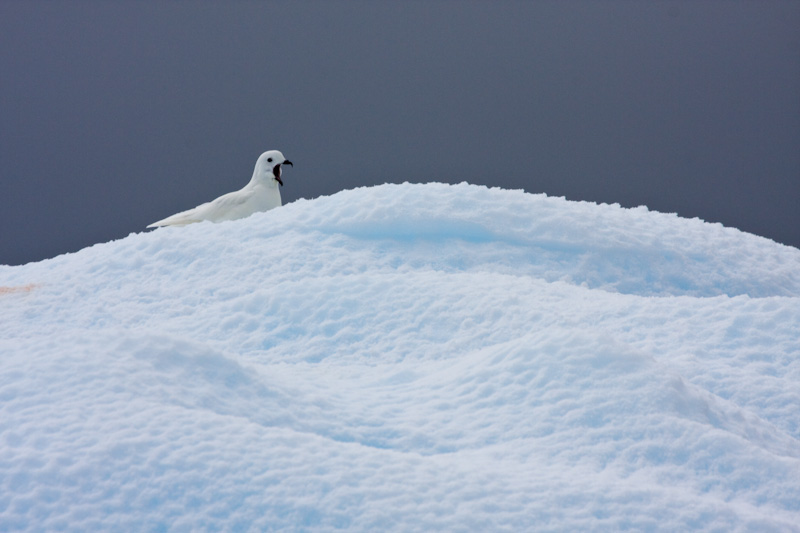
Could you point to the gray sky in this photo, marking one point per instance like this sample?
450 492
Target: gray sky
117 114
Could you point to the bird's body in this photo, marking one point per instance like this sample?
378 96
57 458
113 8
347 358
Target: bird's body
262 193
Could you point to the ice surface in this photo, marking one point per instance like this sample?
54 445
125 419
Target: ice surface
410 358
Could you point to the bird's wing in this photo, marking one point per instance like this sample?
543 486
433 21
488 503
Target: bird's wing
178 219
225 207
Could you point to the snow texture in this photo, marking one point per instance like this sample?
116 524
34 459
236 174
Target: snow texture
406 358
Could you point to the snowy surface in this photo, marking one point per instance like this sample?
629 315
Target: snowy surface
409 358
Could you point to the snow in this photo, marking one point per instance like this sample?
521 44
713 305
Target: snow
406 358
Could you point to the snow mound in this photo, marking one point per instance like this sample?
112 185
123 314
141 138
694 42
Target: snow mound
632 251
406 357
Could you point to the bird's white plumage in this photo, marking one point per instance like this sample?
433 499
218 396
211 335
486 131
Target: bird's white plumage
262 193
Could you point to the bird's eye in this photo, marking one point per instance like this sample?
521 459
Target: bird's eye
269 160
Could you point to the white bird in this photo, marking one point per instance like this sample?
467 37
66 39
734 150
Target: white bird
261 194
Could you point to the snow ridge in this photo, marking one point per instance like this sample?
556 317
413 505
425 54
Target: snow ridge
406 357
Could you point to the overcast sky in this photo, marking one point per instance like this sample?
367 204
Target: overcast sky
117 114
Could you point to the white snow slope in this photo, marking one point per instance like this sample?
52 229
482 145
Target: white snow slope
406 358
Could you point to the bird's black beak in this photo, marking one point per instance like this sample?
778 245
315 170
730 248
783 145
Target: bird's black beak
277 171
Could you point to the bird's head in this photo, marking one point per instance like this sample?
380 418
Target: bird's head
270 164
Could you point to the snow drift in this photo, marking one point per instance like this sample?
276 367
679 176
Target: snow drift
406 357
